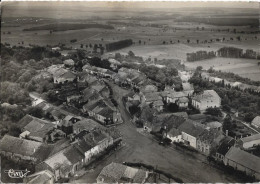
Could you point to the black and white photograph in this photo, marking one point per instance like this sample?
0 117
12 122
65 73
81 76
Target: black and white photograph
129 92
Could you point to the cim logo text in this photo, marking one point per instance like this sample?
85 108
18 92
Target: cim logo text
17 173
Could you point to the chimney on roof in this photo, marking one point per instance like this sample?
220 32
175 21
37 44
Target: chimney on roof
226 132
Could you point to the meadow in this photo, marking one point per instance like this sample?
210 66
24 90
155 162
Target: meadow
247 68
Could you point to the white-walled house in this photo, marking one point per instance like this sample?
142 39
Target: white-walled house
182 102
190 131
174 96
208 98
175 135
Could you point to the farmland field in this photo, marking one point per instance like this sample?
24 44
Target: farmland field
161 35
178 51
247 68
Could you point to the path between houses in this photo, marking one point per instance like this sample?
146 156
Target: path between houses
139 148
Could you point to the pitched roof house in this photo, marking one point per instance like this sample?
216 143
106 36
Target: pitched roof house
250 141
62 76
24 149
208 140
85 124
68 62
152 97
38 129
208 98
118 173
214 125
225 144
190 132
243 161
149 89
63 163
44 177
172 97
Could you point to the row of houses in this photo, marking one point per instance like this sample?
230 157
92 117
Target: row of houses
178 128
149 95
94 99
85 140
207 138
112 173
124 76
85 147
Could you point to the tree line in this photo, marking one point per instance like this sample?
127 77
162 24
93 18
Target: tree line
200 55
119 45
233 52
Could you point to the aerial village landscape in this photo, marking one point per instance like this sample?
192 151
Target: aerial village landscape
93 109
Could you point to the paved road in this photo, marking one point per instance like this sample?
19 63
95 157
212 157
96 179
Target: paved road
187 166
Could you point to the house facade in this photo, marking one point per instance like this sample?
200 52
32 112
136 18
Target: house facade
207 99
174 96
190 131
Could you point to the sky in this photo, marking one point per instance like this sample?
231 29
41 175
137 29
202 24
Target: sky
75 10
138 4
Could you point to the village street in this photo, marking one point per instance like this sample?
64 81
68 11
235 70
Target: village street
190 167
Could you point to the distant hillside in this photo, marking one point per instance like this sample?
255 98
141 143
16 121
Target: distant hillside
223 21
67 26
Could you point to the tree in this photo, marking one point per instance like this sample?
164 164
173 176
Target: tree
227 123
95 48
199 68
14 130
188 41
173 107
139 42
249 117
36 112
131 54
134 109
214 111
226 108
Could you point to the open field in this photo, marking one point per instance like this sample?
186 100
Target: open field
247 68
67 27
179 51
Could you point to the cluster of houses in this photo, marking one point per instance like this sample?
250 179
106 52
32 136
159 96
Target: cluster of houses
86 91
58 149
207 138
149 95
179 128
